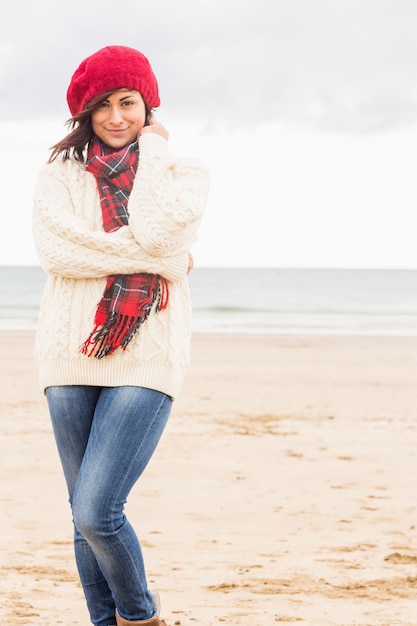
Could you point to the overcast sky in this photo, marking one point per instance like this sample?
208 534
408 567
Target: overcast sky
305 112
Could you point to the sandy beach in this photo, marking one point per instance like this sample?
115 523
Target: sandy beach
283 491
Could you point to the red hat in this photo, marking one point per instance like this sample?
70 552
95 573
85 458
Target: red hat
112 67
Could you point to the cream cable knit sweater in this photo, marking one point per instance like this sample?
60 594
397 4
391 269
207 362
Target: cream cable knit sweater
165 210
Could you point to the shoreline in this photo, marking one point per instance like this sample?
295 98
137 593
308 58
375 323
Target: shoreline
283 490
261 333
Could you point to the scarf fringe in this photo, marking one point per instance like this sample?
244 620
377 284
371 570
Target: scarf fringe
118 330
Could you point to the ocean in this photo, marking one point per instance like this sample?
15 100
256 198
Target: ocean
263 301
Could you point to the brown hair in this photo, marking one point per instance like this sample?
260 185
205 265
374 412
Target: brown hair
81 131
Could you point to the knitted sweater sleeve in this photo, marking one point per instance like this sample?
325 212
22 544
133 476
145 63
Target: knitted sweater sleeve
168 199
70 240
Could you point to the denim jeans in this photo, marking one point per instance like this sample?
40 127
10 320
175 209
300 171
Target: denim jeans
105 438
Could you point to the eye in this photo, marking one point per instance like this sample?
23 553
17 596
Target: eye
127 103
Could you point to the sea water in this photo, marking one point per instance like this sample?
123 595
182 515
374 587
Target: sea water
267 301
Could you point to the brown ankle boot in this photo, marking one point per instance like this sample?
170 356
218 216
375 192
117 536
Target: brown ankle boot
154 621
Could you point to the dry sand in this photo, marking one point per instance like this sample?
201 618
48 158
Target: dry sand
283 491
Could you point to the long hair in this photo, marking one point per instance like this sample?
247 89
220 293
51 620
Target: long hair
81 131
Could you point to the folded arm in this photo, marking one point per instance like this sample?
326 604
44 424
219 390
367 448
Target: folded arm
70 245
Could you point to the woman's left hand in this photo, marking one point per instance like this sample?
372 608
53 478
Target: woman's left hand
154 127
190 263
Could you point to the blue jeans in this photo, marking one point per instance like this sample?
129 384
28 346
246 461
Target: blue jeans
105 438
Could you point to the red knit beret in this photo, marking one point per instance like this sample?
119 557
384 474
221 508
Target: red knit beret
112 67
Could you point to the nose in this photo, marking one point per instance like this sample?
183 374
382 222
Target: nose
115 116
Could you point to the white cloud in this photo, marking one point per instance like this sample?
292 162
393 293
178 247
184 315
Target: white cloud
305 112
348 65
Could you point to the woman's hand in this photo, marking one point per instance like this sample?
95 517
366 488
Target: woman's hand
190 263
154 127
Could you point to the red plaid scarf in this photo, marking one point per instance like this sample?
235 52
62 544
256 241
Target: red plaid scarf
127 299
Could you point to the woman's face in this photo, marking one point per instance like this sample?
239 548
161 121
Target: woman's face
118 119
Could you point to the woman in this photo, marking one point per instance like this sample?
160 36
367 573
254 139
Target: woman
114 218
